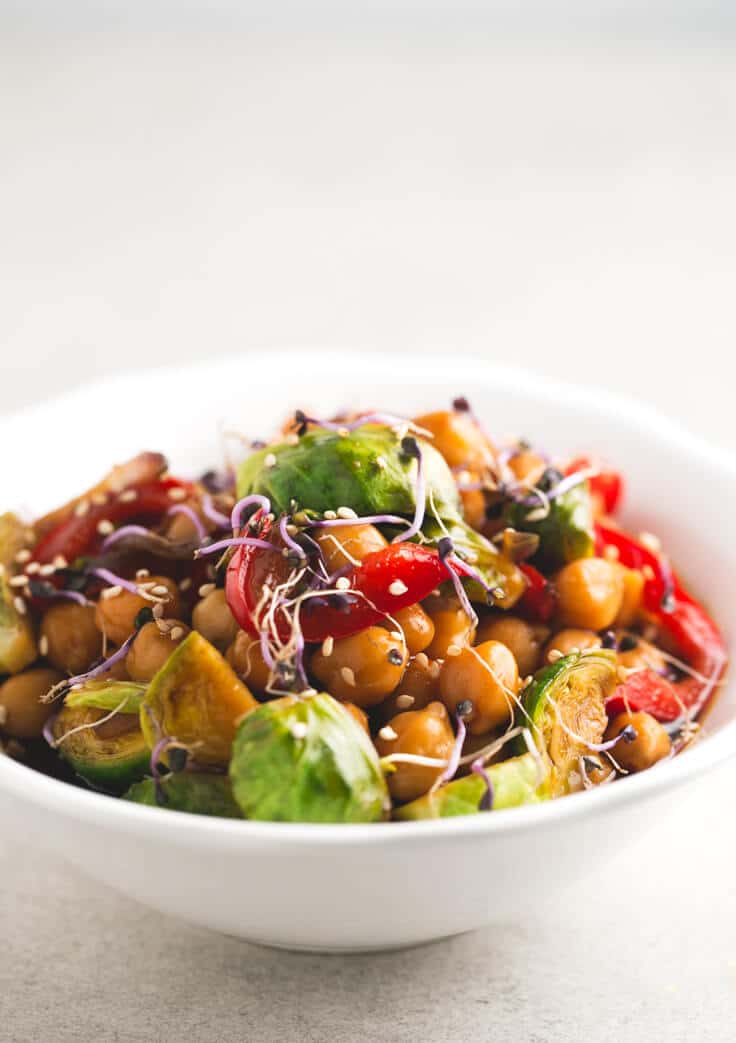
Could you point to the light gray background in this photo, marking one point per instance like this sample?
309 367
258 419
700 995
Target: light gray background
561 199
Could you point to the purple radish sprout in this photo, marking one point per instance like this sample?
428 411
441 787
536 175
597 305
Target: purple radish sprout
235 541
114 580
486 801
457 749
183 508
122 532
288 540
210 511
254 500
445 549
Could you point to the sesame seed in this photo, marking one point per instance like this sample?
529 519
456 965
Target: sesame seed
177 493
32 568
177 633
43 645
82 508
397 588
554 654
611 553
292 438
160 591
60 562
348 676
327 646
346 512
422 659
647 572
388 733
99 498
105 527
157 611
343 432
142 574
206 589
270 460
19 605
650 541
185 584
539 514
453 650
111 592
19 581
403 702
165 625
46 570
434 669
23 556
381 463
330 515
299 729
395 657
343 583
527 680
128 495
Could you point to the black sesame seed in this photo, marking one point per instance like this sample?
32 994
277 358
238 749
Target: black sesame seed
608 639
461 404
410 446
178 758
395 657
629 733
465 708
628 642
444 546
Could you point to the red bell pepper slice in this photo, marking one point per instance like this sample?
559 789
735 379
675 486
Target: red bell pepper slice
608 486
78 535
539 600
679 615
393 578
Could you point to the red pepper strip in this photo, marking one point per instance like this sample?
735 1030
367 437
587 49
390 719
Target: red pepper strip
77 535
693 632
539 601
608 486
411 570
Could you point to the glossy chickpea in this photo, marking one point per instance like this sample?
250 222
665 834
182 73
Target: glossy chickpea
452 628
637 654
523 639
151 649
346 544
69 639
652 743
115 616
590 593
422 733
487 677
570 640
359 716
245 657
212 617
633 589
458 438
22 714
417 627
419 686
361 669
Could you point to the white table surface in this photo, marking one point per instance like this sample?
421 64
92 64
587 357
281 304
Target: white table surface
564 206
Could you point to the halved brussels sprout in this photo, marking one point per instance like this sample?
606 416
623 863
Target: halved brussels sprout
123 696
197 698
566 531
564 708
17 643
305 759
193 791
517 781
110 755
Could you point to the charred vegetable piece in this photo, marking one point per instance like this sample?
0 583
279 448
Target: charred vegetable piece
17 643
123 696
193 791
197 698
566 532
110 755
564 708
305 759
370 471
519 780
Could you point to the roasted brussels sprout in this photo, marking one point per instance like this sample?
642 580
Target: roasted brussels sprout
110 755
305 759
565 532
197 792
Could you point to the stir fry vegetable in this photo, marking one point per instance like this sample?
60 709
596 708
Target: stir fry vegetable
371 618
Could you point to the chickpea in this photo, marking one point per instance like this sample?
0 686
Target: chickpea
361 669
245 657
458 438
488 677
638 654
652 743
633 583
417 627
359 716
527 466
115 616
69 638
451 626
152 648
423 733
419 686
523 639
213 619
22 714
346 544
566 640
117 672
591 592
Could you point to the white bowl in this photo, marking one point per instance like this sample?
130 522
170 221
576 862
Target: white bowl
348 888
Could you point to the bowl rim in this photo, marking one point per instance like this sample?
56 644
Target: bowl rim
31 786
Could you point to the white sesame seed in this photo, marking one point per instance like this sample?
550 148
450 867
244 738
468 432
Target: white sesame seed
99 498
422 659
330 515
206 589
23 556
292 438
158 610
346 512
343 583
177 633
403 702
343 432
82 508
142 574
554 654
19 604
46 570
388 733
111 592
19 581
165 626
185 584
527 680
327 646
348 676
650 541
453 650
397 588
647 572
611 553
381 463
32 568
128 495
270 460
299 729
105 527
160 591
539 514
177 493
60 562
43 645
434 669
